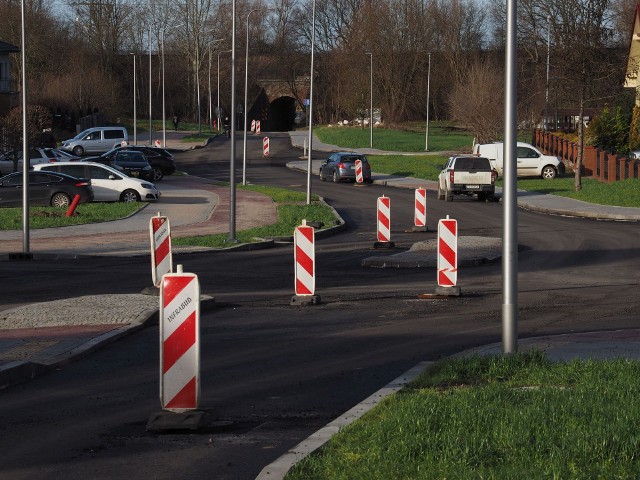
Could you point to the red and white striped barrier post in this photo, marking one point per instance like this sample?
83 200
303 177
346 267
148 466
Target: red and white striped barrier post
253 125
157 144
384 223
305 265
179 341
257 127
359 179
448 257
161 255
265 146
420 215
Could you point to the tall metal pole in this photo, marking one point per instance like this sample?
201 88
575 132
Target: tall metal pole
210 103
198 81
246 80
371 101
313 42
150 118
232 167
546 96
426 134
25 138
164 113
224 51
509 191
135 113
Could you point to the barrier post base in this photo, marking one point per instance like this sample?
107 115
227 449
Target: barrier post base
449 291
304 300
384 245
191 420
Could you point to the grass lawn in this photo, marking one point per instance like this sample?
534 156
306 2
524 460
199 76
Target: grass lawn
623 193
292 208
418 166
442 137
44 217
504 417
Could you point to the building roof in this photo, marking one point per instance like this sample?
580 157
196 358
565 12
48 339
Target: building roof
8 48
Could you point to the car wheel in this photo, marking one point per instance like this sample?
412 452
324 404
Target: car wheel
448 195
322 177
482 197
157 174
130 196
548 173
440 193
61 200
78 151
336 177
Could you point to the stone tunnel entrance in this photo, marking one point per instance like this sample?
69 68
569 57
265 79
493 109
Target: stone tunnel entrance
282 113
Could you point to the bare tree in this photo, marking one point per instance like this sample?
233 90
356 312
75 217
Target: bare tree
38 118
477 101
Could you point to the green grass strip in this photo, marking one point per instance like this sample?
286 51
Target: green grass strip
412 138
292 209
45 217
510 417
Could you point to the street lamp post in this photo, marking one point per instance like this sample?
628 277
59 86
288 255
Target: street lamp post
164 115
371 102
218 106
25 137
135 114
150 120
546 96
232 163
198 81
426 135
210 103
246 76
313 41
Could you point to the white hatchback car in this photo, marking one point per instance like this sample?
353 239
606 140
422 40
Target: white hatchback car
109 185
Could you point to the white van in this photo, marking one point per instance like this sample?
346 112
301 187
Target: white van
530 163
96 140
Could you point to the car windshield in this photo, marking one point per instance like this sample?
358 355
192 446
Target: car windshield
80 135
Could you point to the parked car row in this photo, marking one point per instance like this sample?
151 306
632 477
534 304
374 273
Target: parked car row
45 188
57 183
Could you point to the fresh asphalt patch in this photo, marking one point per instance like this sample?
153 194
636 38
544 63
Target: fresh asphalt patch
472 251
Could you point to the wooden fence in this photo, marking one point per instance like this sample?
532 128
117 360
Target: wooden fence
596 163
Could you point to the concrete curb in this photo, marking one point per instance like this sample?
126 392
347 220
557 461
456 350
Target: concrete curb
278 469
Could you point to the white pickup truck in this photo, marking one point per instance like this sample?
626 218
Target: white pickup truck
467 175
530 162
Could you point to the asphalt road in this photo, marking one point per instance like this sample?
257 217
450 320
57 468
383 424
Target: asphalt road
275 373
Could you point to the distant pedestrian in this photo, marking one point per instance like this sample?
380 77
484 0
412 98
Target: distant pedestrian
175 122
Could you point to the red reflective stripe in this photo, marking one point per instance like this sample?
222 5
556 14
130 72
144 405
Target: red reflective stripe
304 260
162 251
447 252
181 340
173 286
383 220
450 225
185 398
307 232
301 288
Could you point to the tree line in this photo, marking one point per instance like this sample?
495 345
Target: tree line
80 57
